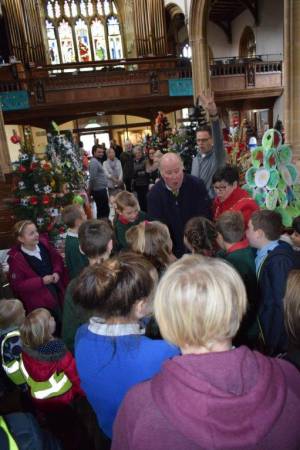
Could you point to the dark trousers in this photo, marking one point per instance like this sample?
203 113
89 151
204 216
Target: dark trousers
101 201
141 192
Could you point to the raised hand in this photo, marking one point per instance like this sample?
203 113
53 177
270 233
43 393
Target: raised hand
206 99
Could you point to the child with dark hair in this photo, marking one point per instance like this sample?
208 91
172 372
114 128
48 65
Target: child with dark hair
112 354
237 251
295 236
274 260
229 196
95 240
73 216
200 236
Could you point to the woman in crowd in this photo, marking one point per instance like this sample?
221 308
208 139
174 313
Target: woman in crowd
153 241
36 270
152 169
229 196
112 354
200 236
113 170
214 396
292 317
140 177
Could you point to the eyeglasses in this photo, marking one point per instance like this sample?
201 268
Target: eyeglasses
220 187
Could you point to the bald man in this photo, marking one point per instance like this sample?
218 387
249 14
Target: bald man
176 198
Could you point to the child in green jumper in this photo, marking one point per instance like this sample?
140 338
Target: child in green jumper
237 251
96 242
73 216
128 214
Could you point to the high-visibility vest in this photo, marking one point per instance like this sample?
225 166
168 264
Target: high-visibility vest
12 445
12 368
58 384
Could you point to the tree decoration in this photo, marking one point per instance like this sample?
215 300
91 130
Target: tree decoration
273 179
39 184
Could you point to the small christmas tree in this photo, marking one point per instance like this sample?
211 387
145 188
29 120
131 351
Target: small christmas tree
273 180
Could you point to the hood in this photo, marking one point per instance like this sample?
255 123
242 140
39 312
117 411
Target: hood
221 400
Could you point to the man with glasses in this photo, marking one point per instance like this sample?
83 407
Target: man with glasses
211 156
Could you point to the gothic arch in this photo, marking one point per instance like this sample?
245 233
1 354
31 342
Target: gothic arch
247 47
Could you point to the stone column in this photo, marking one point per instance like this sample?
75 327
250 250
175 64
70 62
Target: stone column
198 40
5 162
292 74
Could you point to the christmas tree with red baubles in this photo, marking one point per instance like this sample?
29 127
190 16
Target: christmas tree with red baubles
43 186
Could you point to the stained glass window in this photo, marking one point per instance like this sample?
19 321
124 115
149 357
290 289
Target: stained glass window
82 30
114 37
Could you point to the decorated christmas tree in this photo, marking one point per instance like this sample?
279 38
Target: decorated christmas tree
184 142
273 179
44 186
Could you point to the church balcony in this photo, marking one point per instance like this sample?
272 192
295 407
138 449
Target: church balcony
257 79
138 86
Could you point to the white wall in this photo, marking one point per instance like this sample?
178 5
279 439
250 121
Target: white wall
269 32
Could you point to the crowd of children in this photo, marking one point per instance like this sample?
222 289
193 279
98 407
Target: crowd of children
78 332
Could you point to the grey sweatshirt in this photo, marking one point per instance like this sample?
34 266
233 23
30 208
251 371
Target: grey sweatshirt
204 167
98 178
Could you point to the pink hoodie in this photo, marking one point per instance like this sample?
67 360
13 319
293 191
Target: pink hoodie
235 400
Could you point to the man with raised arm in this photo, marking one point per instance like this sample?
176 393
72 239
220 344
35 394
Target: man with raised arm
211 155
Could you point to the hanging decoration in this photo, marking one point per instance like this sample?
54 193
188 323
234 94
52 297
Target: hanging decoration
273 179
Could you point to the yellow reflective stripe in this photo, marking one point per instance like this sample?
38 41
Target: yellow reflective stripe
57 384
57 388
11 368
11 442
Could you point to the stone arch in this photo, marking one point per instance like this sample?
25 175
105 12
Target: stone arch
199 11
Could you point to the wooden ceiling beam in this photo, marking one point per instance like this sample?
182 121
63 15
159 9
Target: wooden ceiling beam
253 8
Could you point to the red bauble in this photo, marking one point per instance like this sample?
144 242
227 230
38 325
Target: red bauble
33 201
49 226
22 168
15 139
46 166
46 200
33 166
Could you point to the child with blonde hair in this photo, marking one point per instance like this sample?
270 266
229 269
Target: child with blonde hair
153 241
48 367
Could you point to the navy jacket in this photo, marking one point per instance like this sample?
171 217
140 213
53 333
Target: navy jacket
272 284
191 201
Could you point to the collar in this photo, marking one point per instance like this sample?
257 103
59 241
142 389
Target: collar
98 326
36 252
204 155
72 233
263 253
238 246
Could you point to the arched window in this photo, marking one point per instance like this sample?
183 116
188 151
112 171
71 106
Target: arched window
82 30
247 44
